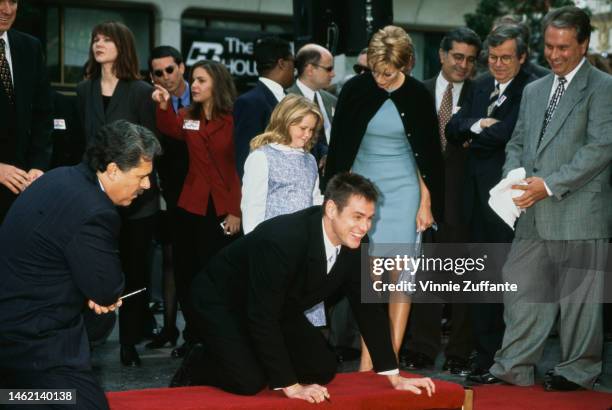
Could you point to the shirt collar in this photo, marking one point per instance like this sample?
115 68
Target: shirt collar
569 76
273 86
306 91
330 249
101 186
286 148
5 37
184 97
502 87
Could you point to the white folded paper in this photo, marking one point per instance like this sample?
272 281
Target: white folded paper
501 195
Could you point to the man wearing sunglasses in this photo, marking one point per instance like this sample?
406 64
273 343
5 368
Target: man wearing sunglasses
458 51
167 69
315 70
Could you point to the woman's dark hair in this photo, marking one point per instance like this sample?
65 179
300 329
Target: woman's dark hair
342 186
123 143
126 66
223 90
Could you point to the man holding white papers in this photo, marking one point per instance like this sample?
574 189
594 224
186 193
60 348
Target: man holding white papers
486 121
563 139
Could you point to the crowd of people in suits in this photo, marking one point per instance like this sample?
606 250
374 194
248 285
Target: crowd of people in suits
233 165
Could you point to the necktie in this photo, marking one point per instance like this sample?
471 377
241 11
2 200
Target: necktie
5 74
493 100
552 106
316 314
445 113
179 104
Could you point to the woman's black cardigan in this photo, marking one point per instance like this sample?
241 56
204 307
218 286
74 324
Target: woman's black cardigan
359 101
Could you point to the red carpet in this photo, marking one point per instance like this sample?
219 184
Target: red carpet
501 397
348 391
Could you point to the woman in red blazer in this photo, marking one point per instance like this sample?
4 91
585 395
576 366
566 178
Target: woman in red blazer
208 213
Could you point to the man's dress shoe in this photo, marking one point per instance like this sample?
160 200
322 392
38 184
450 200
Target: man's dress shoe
186 375
560 383
417 361
129 356
457 366
182 350
482 378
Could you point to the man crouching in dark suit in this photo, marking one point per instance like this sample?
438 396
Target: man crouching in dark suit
252 297
58 256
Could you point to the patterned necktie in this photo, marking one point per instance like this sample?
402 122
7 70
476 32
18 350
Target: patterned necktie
552 106
316 314
445 113
5 74
493 100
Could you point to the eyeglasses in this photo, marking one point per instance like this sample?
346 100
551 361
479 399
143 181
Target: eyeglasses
358 69
160 73
458 57
505 59
328 69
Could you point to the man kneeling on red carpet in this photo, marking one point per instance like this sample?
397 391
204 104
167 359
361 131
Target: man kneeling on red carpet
261 297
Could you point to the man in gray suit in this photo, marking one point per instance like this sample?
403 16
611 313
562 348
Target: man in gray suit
563 139
315 69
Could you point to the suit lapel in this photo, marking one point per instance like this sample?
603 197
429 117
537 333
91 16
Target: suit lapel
329 106
574 94
294 89
19 65
97 105
317 260
121 92
269 96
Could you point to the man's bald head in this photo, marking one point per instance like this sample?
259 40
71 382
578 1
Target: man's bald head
315 66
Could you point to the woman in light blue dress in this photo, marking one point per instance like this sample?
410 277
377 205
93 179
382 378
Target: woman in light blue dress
385 128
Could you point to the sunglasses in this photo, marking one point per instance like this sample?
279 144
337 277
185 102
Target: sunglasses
358 69
160 73
328 69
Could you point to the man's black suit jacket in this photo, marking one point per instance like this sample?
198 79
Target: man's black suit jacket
278 271
486 154
251 116
31 116
455 158
58 248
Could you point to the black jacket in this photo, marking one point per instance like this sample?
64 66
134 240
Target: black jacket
486 154
278 271
58 248
132 102
31 117
252 112
359 101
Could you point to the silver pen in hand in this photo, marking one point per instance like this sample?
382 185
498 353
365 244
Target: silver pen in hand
132 294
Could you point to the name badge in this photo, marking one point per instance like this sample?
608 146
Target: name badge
501 100
193 125
59 124
456 110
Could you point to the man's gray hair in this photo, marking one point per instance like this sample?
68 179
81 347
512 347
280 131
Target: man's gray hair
504 33
123 143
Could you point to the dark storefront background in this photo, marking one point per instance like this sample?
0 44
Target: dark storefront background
65 29
229 39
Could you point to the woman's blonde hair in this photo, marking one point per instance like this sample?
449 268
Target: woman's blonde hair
290 111
392 46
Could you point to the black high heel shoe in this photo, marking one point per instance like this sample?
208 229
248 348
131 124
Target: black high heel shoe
164 337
